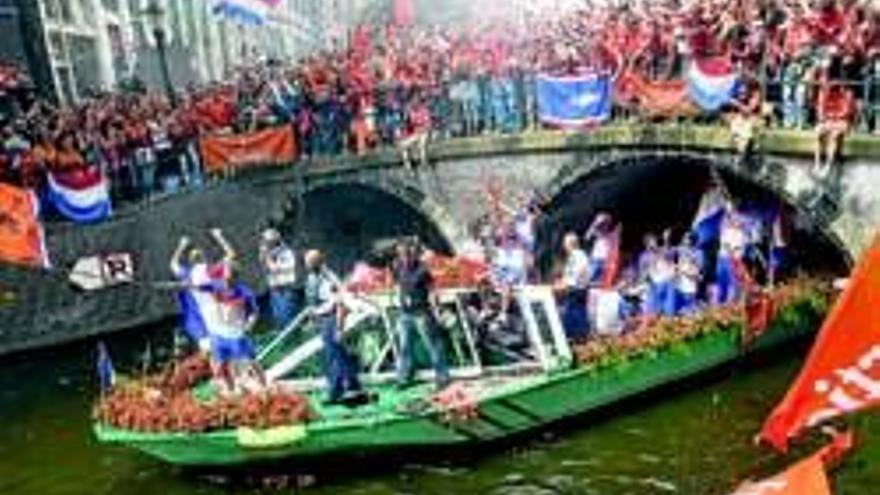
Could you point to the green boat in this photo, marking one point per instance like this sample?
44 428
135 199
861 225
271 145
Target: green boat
507 381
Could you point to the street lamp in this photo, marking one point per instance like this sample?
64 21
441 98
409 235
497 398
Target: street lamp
156 15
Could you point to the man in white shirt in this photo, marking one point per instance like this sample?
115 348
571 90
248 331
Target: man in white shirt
573 289
279 263
734 240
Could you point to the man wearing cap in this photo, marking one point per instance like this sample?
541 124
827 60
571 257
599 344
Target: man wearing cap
279 263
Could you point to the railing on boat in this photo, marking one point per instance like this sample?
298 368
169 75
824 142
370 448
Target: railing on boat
532 341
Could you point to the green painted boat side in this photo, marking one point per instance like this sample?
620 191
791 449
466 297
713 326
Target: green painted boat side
513 407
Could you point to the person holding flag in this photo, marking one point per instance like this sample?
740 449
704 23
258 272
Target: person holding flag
603 238
237 312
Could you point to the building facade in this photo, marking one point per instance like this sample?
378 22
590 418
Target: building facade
95 45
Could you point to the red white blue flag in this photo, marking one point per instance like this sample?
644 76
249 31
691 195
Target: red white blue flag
707 222
80 195
712 82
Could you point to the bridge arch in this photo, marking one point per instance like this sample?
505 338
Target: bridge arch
652 189
345 216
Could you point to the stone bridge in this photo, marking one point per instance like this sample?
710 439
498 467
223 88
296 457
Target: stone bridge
650 176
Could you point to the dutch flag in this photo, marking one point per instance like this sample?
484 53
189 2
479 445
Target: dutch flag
778 244
104 368
80 195
712 82
707 222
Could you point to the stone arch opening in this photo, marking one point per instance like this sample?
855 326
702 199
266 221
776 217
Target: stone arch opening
651 193
348 220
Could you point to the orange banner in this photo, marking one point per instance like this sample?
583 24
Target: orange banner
270 146
807 477
655 98
842 372
21 235
804 478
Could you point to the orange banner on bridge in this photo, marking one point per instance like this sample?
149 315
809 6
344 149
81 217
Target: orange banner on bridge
21 235
266 147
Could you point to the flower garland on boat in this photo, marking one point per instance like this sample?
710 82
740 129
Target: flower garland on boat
165 403
665 332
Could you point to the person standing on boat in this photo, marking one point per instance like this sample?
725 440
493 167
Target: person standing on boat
417 310
657 268
279 264
236 314
600 237
689 273
572 288
195 299
510 268
734 240
324 300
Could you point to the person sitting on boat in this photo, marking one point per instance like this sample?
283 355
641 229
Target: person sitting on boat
196 300
573 289
236 314
734 240
600 239
689 274
417 310
279 264
324 300
657 267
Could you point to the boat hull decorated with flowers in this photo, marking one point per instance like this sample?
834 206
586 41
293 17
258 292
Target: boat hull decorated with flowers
494 396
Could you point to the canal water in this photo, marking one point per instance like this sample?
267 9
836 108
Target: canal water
691 439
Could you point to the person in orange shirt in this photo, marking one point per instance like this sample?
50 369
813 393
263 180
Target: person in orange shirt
68 156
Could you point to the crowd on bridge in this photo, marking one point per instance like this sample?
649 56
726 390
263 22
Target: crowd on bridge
802 64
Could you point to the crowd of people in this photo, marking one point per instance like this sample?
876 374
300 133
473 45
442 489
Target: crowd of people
600 290
804 64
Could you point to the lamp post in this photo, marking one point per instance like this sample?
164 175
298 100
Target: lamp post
156 15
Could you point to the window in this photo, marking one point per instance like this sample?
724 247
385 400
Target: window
112 5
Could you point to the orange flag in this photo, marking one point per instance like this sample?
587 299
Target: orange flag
804 478
842 372
21 235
